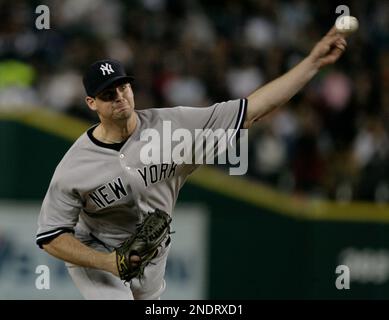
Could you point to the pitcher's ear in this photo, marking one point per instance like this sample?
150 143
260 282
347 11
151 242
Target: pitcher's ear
91 102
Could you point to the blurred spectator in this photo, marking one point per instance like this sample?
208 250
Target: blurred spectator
16 82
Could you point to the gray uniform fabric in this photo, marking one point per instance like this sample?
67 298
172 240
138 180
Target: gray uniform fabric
100 193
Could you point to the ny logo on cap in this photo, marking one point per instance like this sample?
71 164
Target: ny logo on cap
106 68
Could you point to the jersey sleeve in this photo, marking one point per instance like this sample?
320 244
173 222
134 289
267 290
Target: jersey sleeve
59 212
215 129
217 126
224 115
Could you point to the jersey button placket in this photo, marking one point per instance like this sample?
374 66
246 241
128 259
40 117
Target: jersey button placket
121 156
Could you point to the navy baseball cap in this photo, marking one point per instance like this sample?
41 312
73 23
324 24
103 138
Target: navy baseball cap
102 74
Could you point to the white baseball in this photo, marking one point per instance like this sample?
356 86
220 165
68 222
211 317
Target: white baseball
347 24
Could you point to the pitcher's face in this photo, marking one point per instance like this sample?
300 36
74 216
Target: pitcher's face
113 103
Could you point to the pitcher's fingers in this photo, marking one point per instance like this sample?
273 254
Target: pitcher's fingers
341 47
343 41
332 31
330 40
134 261
341 44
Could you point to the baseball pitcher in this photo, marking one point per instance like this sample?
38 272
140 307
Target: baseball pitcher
107 210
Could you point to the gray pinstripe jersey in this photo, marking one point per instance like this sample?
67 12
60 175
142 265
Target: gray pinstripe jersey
101 191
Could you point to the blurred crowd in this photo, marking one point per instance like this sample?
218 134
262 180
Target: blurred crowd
330 141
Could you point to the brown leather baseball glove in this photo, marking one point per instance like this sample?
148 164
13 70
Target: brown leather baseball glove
144 243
